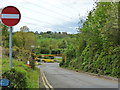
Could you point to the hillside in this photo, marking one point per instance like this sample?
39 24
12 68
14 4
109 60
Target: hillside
96 48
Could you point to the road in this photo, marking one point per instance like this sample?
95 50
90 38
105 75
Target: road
63 78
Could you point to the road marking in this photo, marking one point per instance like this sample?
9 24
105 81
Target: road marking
45 81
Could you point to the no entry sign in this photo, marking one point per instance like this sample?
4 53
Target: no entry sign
10 16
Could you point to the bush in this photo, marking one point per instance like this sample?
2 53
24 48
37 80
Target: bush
104 62
17 77
20 75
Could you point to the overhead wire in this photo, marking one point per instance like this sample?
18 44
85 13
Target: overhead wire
34 11
37 20
74 9
34 18
38 12
51 11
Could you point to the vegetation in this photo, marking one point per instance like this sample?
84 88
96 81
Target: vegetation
51 42
96 47
23 41
4 35
20 75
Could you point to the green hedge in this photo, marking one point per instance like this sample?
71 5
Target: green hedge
99 62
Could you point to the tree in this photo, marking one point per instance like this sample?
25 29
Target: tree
64 33
49 32
96 47
24 29
41 33
5 35
24 39
36 33
63 44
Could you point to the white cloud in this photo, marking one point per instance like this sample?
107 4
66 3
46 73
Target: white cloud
53 2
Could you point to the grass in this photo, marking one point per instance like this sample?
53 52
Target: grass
33 79
19 72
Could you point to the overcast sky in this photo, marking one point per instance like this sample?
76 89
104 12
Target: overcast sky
50 15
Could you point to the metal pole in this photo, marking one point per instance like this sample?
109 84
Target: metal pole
10 47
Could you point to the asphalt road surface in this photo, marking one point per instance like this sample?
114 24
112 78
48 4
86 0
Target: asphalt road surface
63 78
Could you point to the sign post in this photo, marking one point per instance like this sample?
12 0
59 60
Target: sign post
10 16
10 47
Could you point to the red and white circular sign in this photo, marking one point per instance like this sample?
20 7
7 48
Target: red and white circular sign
10 16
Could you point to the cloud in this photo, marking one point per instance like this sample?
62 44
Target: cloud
50 14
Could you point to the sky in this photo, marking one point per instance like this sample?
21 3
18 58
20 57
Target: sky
50 15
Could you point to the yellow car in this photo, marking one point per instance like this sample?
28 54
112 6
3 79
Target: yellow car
37 58
47 60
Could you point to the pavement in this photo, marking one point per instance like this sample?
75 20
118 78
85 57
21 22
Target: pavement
58 77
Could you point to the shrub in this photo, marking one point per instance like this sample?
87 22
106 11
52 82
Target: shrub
20 75
17 77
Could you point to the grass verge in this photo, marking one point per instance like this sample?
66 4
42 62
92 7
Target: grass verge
20 75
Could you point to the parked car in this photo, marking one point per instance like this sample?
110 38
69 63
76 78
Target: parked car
48 60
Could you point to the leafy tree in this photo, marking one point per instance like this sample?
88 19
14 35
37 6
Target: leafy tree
63 44
24 29
95 47
24 39
5 35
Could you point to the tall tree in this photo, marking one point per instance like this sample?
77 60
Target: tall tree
5 35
